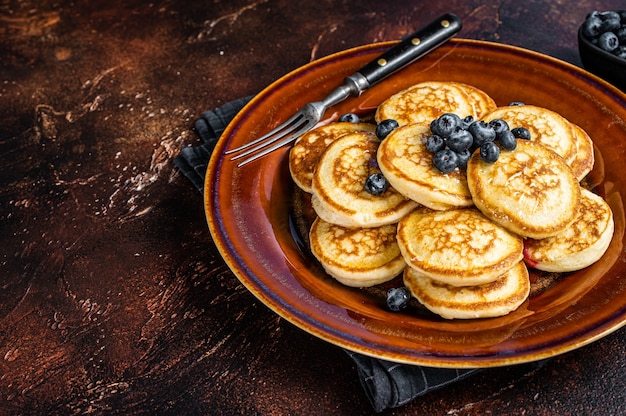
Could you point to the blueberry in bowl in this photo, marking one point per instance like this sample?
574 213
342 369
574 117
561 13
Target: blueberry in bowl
602 45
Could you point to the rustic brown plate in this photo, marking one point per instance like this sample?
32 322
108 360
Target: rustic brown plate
249 215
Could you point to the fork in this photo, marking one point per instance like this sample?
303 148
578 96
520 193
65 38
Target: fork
405 52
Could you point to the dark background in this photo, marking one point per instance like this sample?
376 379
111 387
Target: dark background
113 299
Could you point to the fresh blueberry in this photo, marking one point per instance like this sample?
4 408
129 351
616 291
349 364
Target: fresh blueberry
376 184
507 140
591 27
385 127
521 133
349 118
446 160
460 140
435 143
489 152
482 132
499 126
466 122
463 157
621 35
611 22
608 41
445 124
620 52
610 15
398 298
516 103
594 13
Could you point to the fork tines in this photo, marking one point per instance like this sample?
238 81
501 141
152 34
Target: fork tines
285 133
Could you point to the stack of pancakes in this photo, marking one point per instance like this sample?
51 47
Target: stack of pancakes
464 239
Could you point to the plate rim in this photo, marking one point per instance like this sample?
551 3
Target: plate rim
307 323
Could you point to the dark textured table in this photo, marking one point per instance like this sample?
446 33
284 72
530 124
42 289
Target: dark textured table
113 299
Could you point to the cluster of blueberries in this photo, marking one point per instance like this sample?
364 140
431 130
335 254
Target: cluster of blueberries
607 30
453 140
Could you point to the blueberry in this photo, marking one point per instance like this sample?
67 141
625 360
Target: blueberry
466 122
489 152
482 132
594 13
460 140
611 22
610 15
591 27
435 143
608 41
349 118
398 298
621 35
620 52
445 124
507 140
463 157
385 127
499 125
516 103
376 184
446 160
521 133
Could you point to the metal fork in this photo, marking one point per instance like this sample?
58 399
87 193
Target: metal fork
408 50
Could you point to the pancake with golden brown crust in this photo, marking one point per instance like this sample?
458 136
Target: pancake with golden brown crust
458 247
408 166
481 101
497 298
305 153
545 126
357 257
338 186
584 160
531 190
579 245
424 102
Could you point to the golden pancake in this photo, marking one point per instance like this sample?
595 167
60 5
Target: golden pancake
497 298
305 153
545 126
408 166
584 160
357 257
338 185
579 245
458 247
531 190
481 101
424 102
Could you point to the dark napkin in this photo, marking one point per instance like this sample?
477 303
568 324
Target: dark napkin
386 384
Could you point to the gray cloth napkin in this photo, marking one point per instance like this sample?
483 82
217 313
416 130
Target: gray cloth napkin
386 384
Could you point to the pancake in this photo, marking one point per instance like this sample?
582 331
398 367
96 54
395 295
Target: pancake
545 126
408 166
360 257
424 102
584 160
578 246
458 247
531 190
338 185
482 103
497 298
305 153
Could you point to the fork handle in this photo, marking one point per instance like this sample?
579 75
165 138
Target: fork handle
408 50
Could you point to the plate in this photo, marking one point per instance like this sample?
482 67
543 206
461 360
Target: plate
249 212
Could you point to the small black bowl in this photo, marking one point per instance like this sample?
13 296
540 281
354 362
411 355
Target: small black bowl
602 63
